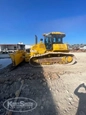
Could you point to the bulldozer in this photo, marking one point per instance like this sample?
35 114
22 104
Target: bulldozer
49 51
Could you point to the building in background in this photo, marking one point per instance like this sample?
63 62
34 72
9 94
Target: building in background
28 46
9 48
5 48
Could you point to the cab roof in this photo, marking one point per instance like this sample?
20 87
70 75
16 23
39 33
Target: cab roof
55 33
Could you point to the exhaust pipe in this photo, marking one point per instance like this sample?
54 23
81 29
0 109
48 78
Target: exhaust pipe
36 39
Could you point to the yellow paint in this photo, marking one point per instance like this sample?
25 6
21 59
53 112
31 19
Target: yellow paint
60 47
39 49
69 59
27 57
17 57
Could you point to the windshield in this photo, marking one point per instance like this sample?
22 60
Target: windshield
49 41
53 40
57 40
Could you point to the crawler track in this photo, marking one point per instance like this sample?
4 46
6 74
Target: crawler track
52 58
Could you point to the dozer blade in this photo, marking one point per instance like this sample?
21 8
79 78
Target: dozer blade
52 58
17 57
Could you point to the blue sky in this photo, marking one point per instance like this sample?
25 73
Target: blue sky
20 20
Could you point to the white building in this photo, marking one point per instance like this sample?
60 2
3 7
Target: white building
27 46
5 48
84 47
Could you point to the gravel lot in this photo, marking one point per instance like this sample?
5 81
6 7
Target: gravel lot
57 89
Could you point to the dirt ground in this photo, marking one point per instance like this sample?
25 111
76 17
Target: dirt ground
57 89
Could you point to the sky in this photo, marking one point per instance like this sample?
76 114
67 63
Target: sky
21 20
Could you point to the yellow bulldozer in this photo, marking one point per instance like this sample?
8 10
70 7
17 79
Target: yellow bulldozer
49 51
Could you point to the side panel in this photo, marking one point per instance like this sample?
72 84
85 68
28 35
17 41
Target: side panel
60 47
37 49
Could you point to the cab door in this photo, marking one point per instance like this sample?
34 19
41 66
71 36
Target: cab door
49 43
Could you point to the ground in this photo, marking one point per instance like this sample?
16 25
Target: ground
57 89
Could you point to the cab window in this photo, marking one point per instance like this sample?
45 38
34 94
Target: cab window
57 40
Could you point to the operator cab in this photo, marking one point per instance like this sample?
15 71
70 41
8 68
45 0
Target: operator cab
53 38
